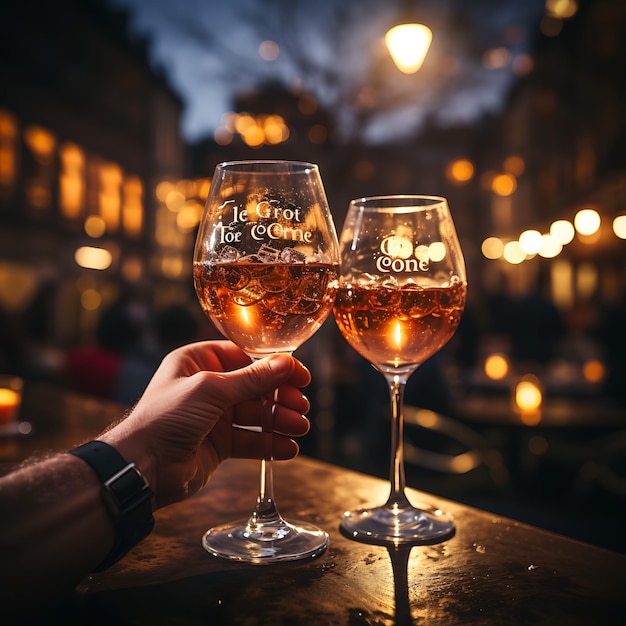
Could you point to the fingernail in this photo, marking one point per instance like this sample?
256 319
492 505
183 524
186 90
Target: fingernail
280 363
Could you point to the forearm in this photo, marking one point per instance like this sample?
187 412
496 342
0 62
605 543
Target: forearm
54 527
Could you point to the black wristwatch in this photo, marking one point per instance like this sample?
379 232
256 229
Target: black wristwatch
126 494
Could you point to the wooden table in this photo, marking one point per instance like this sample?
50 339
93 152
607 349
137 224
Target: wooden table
493 571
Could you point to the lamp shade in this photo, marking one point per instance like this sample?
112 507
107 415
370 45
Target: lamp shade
408 45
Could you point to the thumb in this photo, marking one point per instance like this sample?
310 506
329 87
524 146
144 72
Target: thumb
263 376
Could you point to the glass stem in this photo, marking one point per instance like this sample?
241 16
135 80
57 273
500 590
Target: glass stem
265 511
266 514
397 499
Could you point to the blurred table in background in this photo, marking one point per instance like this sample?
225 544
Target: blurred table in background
568 431
559 412
571 456
56 419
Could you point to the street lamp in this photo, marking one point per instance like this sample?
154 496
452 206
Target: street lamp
408 45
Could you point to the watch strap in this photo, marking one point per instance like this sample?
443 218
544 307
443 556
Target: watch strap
126 494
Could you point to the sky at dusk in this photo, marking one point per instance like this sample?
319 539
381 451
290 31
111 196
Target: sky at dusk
196 42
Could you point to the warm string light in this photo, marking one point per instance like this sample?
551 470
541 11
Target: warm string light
586 223
532 242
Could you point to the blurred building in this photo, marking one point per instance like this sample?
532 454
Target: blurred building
87 130
558 149
98 192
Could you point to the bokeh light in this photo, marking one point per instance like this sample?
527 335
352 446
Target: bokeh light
619 226
504 184
496 58
562 231
561 8
174 200
95 226
93 258
269 50
514 165
550 247
492 248
531 241
496 366
528 398
91 299
460 171
587 221
594 371
513 253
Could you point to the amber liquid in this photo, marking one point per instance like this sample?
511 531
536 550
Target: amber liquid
266 308
398 329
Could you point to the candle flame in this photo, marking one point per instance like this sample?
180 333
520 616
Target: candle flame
244 315
8 397
397 334
528 396
528 399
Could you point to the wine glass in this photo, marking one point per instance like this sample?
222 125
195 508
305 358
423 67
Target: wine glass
265 259
399 299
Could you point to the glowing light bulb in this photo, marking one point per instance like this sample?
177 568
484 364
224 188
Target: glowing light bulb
408 45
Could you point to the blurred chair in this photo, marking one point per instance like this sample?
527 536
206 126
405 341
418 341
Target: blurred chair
598 465
449 447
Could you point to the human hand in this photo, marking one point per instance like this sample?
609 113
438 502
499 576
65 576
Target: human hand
191 415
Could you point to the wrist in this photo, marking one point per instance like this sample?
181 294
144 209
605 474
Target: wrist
126 495
123 441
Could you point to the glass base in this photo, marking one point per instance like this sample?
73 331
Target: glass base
283 541
410 525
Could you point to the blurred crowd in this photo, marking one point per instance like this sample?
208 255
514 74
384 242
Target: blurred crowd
116 363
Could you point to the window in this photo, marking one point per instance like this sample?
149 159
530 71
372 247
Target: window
8 154
72 181
109 198
39 167
132 211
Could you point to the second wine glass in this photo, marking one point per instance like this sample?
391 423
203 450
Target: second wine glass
265 259
399 300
